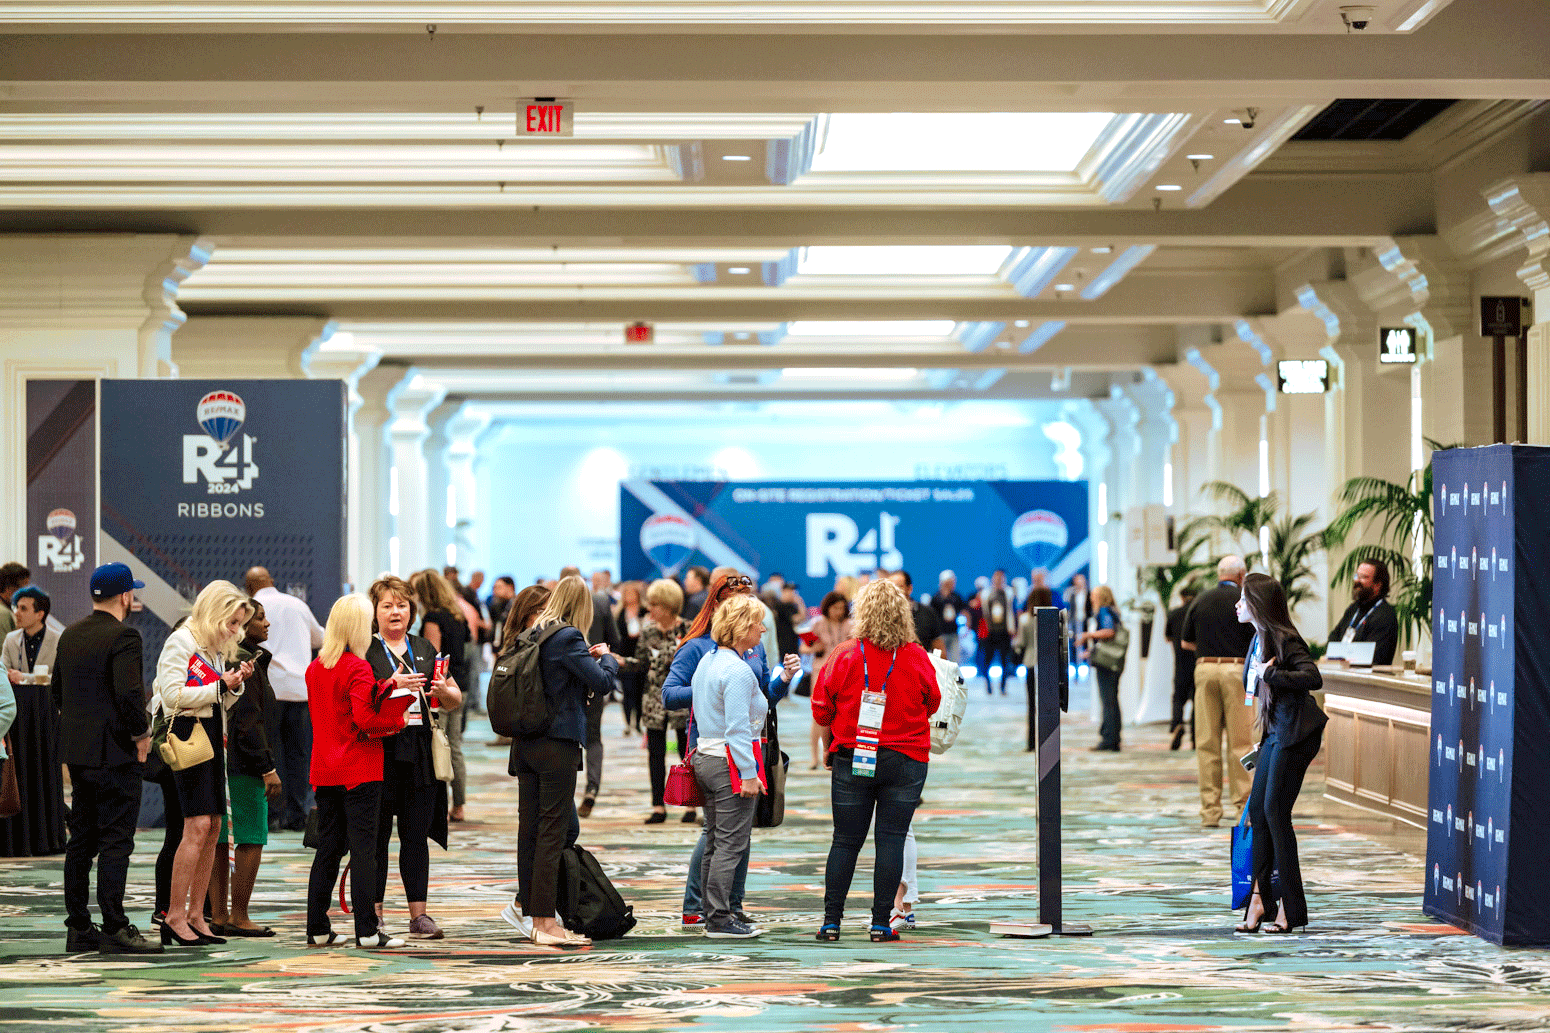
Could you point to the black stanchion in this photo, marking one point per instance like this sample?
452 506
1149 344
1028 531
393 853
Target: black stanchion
1053 695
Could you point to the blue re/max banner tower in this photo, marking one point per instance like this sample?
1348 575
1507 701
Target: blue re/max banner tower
1488 831
815 531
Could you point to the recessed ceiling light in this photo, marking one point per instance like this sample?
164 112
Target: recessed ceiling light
1232 121
1102 250
1200 157
741 336
736 157
1021 323
1064 287
739 270
1169 186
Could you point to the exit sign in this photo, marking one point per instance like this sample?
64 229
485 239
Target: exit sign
544 117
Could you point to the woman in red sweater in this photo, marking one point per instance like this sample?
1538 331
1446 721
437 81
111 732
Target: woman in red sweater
351 712
875 696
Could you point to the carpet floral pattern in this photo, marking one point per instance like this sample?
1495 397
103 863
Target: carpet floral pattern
1138 868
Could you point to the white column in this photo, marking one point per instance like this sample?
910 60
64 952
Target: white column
437 479
410 403
79 306
336 356
371 522
464 434
1524 201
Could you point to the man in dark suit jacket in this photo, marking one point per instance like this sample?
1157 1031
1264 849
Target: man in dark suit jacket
1370 617
104 738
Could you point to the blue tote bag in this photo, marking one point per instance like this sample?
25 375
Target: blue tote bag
1242 861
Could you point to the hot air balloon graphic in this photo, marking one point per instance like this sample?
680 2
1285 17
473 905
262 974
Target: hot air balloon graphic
668 541
1039 537
221 414
61 524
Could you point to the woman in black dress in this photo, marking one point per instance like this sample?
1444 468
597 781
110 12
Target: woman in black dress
197 681
1282 676
410 789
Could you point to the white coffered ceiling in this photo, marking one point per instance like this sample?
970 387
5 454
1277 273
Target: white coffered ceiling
900 199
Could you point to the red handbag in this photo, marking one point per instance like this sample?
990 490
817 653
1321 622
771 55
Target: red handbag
682 789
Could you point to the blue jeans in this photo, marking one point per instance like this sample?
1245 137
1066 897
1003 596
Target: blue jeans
894 793
293 758
694 887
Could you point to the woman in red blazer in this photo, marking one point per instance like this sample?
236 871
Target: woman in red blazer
351 711
883 658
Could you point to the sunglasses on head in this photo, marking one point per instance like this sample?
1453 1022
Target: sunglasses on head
737 582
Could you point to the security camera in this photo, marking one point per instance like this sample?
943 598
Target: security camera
1248 118
1356 16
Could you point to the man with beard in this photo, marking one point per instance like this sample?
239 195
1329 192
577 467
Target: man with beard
1370 617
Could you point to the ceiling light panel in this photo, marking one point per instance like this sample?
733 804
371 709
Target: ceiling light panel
909 260
896 328
959 142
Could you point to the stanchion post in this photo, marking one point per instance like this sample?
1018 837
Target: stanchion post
1053 687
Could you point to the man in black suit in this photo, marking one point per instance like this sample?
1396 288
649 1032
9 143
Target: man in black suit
104 738
1370 617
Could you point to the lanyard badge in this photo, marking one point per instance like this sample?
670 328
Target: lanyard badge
869 722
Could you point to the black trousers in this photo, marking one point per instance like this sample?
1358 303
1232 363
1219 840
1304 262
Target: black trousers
1108 697
104 807
656 760
415 808
1278 776
347 824
546 809
998 644
631 685
172 838
1183 692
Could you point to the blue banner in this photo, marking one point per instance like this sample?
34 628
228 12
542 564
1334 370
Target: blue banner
815 531
62 492
1488 831
202 479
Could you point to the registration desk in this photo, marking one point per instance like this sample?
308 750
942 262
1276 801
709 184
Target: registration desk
1375 746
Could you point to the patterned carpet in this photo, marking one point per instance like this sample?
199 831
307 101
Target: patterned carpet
1138 868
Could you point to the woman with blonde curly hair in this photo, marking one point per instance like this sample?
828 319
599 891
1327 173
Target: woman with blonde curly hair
198 679
876 697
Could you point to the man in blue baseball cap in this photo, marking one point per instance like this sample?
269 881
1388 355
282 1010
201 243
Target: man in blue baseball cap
104 737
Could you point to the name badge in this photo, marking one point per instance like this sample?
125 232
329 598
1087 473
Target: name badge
1350 635
863 764
873 704
996 612
948 612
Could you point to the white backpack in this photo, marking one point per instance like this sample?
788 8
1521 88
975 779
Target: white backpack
955 700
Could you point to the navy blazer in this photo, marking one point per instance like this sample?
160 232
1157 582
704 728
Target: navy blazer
572 676
1293 713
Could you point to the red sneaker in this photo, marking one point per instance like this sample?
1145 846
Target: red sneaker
691 921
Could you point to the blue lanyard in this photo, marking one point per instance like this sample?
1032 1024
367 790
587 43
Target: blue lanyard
866 678
1358 625
398 661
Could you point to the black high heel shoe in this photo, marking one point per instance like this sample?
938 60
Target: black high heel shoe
1244 926
170 938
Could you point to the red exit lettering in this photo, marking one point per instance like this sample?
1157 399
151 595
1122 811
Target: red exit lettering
544 118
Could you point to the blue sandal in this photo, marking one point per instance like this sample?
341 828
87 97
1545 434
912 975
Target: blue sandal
828 933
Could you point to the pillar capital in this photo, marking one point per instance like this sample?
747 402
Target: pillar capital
410 403
246 346
1523 203
334 354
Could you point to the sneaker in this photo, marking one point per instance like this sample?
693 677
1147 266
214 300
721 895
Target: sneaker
127 941
80 941
585 810
746 918
379 940
693 921
514 917
731 929
424 927
902 921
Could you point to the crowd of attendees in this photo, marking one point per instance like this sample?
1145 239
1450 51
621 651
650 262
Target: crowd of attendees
259 719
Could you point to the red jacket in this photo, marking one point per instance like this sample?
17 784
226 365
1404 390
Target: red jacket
346 731
913 696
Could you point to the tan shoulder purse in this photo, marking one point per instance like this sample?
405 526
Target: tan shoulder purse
182 754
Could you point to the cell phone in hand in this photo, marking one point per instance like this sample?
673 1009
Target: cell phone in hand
1249 759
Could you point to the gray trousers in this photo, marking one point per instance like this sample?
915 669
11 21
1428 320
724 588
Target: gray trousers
728 831
595 708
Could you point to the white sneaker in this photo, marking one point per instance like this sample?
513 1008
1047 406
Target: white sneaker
517 920
380 941
901 920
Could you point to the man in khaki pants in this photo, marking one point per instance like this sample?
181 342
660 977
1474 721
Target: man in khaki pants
1220 642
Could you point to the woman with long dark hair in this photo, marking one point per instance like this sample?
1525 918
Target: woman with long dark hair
1282 677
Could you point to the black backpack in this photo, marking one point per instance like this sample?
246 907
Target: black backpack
516 700
586 901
